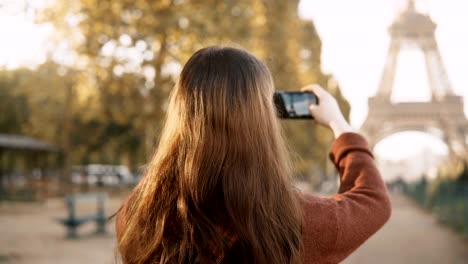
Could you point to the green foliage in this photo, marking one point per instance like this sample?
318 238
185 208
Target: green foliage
446 196
107 104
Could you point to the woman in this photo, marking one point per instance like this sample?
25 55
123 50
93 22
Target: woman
219 189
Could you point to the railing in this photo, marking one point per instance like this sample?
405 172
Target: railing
449 202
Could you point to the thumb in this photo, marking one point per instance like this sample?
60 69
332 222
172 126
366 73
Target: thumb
314 111
313 108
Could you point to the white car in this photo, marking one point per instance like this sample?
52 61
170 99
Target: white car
100 174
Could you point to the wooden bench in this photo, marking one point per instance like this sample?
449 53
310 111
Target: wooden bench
74 221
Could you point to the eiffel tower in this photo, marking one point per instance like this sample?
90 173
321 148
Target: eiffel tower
443 115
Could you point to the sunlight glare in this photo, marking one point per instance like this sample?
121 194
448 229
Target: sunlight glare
23 43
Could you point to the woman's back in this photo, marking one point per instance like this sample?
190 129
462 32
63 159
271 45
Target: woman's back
220 167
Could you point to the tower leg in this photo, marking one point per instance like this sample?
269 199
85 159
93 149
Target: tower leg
438 79
388 76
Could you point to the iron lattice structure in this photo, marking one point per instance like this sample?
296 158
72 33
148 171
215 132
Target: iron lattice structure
443 115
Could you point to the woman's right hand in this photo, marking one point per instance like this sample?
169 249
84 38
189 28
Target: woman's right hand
327 112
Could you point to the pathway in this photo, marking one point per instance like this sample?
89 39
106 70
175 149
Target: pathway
29 234
411 236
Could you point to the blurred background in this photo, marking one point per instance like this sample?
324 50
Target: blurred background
84 86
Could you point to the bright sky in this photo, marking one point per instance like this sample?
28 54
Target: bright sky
355 42
23 42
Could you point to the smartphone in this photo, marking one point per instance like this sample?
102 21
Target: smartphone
294 105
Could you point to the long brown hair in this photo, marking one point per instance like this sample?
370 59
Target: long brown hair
221 164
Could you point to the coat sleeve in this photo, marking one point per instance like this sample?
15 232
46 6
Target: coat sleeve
361 207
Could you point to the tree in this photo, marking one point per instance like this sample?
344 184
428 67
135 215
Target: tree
14 110
128 55
147 41
293 51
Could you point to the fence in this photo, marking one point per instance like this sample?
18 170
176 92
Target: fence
449 202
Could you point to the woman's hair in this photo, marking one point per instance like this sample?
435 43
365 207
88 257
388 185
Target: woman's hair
221 167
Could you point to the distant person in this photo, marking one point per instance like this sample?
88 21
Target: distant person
219 188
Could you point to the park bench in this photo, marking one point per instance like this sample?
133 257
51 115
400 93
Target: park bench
73 221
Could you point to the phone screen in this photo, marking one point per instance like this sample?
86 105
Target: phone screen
294 104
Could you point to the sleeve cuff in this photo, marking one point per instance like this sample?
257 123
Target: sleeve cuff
346 143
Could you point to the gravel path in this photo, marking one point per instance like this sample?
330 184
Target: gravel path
29 233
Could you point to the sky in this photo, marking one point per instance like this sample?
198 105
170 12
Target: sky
355 42
22 41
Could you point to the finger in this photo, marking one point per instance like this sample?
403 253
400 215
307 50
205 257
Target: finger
308 88
318 90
